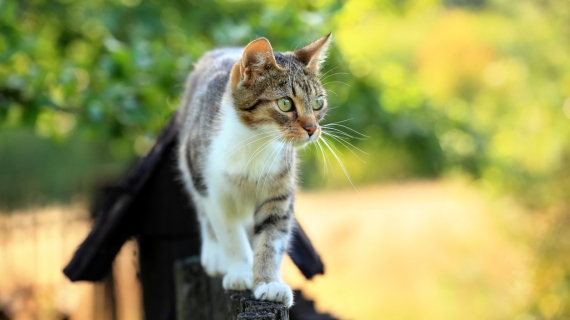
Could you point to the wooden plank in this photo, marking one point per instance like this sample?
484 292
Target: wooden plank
197 295
201 297
256 316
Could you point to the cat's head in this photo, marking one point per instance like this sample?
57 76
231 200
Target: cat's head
281 91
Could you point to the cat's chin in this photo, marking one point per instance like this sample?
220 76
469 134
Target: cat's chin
300 143
303 142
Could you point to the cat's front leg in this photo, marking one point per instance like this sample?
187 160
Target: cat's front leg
232 237
272 228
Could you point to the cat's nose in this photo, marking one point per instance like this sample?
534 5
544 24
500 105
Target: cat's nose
310 128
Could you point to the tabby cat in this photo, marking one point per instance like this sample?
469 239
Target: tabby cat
243 115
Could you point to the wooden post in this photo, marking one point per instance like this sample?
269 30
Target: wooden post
201 297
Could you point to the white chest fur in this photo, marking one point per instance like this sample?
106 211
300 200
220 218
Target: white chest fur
248 155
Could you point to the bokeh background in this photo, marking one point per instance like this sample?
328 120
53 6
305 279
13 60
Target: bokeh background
460 204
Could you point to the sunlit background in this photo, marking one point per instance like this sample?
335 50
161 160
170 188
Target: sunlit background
460 204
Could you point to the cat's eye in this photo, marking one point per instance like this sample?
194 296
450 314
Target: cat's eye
285 104
318 103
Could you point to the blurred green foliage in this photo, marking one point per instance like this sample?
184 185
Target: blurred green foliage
476 88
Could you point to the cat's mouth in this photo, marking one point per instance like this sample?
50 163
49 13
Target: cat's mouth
306 139
299 137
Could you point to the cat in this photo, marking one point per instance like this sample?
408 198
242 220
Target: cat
243 115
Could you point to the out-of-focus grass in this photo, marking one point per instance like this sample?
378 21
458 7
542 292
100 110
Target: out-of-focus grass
417 250
35 245
422 250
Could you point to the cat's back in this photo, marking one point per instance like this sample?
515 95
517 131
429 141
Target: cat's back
221 59
206 84
215 64
199 113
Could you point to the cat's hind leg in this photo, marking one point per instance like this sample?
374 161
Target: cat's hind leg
232 237
212 256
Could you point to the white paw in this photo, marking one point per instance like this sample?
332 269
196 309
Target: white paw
274 291
213 259
238 280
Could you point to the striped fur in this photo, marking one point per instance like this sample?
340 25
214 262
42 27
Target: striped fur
237 156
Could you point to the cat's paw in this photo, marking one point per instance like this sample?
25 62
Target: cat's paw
274 291
213 259
238 280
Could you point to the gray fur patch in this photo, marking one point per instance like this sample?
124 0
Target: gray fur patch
201 108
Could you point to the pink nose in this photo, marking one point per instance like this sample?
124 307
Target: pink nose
310 128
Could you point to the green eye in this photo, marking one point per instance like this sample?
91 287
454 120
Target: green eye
285 104
318 103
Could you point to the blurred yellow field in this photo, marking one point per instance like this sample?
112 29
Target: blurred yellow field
417 250
35 245
422 250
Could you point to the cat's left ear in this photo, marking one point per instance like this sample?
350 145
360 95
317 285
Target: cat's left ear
257 58
314 54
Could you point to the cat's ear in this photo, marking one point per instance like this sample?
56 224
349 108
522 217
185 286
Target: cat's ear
314 54
256 58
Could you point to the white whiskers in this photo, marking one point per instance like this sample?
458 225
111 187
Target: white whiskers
346 144
325 168
328 72
339 162
271 166
346 84
335 132
333 74
259 150
343 126
260 137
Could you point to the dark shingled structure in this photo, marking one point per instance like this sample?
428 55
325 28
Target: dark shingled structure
150 204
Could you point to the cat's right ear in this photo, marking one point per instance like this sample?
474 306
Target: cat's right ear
257 57
314 54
